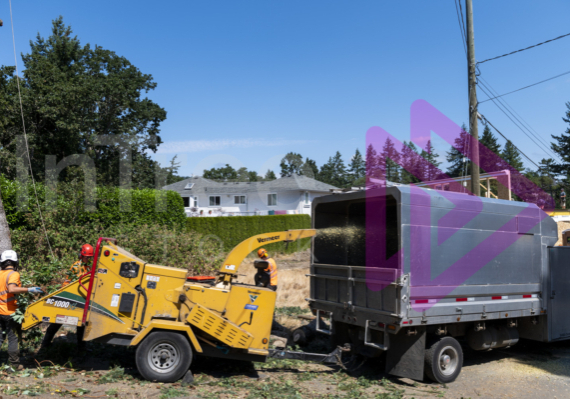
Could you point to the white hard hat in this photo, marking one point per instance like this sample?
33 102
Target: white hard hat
9 255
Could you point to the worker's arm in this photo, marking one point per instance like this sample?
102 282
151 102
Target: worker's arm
14 289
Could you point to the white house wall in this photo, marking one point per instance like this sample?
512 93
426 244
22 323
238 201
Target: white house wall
256 203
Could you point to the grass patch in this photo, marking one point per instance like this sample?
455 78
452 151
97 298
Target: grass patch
291 311
116 374
171 392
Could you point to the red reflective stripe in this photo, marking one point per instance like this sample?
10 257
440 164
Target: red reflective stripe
404 322
422 301
496 297
527 296
460 299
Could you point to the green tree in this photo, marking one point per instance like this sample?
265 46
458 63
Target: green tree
223 173
512 156
334 172
270 175
411 164
488 162
356 168
562 148
291 164
172 171
455 156
72 94
242 174
253 176
310 168
389 162
431 169
372 166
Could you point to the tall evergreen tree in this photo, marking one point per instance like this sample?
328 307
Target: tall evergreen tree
72 95
455 155
372 166
389 161
270 175
356 167
512 157
488 162
431 169
334 172
562 147
411 172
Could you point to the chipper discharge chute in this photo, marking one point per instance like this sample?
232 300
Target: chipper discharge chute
167 315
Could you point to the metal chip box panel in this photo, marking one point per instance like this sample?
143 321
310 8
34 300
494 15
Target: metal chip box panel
559 294
445 227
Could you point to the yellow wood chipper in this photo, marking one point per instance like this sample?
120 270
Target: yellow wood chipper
168 315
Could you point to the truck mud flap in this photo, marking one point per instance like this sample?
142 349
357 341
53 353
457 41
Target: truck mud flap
405 357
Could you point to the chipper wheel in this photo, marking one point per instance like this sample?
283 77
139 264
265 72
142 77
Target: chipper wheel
443 360
164 356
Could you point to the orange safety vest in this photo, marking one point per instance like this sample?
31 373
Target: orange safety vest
8 304
272 271
78 268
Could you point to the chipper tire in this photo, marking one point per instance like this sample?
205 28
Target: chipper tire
164 356
443 360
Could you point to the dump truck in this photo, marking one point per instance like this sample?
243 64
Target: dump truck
169 316
439 268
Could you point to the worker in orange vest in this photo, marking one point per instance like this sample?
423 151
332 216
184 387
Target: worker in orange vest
271 269
78 269
10 285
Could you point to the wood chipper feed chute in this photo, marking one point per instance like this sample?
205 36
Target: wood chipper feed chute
65 306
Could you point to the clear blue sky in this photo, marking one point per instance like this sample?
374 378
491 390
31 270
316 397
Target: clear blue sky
245 82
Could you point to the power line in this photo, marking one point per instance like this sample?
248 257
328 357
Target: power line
511 119
26 136
503 136
519 118
523 49
526 87
461 27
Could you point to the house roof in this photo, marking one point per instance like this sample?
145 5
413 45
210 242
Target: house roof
206 186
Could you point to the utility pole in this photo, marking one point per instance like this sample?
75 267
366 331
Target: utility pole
473 128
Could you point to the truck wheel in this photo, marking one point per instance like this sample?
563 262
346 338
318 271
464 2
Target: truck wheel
443 360
164 356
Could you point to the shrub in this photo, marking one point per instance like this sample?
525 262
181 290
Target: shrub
230 231
113 206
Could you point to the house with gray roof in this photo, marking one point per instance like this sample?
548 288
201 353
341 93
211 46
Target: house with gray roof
287 195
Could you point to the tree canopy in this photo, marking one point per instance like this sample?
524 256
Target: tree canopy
80 99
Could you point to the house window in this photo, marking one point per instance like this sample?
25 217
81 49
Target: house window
215 200
186 202
189 186
271 199
195 202
306 198
239 199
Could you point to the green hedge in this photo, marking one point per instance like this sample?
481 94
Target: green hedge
232 230
68 208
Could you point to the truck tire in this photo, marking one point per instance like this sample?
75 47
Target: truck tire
164 356
443 360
